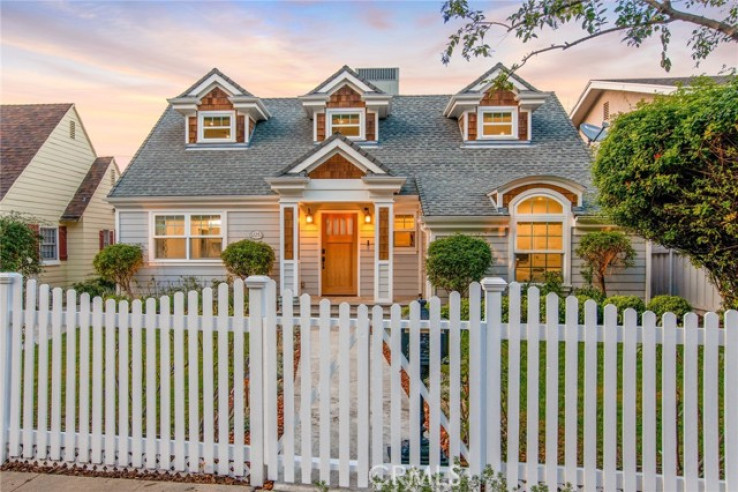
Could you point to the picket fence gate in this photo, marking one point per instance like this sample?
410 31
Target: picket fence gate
145 386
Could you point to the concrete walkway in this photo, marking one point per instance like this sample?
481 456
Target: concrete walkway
39 482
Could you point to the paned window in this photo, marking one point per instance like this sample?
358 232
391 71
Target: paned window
404 231
193 237
346 123
49 243
539 239
216 127
498 123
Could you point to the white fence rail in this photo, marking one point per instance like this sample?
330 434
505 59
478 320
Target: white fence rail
173 384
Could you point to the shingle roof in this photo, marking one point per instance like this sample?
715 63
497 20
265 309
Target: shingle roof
23 130
87 188
486 75
348 69
416 141
212 72
720 79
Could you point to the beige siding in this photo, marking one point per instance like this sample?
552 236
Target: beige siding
84 237
45 188
619 102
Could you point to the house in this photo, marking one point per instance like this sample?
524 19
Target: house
350 183
50 171
603 99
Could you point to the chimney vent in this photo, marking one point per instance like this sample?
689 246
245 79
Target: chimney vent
387 79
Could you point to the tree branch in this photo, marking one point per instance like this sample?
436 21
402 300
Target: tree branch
665 8
570 44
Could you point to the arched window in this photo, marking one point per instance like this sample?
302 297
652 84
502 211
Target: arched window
540 238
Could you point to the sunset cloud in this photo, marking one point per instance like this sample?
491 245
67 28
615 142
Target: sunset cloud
119 61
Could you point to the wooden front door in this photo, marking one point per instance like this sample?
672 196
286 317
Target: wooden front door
338 258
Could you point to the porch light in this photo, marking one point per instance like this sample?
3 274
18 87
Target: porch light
367 216
309 217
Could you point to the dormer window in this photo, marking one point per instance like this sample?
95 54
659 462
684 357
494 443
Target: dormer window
216 126
498 123
347 123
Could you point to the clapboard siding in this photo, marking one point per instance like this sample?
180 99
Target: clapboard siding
621 281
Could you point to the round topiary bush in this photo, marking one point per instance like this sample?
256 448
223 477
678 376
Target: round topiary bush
118 263
625 302
456 261
669 304
247 257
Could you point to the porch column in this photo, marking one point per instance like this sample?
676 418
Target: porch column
383 257
289 271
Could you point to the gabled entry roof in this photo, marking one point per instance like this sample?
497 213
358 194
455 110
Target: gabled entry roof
336 143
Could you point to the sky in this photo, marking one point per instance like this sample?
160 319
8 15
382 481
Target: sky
120 61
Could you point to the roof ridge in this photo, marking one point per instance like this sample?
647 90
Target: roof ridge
350 71
215 71
497 66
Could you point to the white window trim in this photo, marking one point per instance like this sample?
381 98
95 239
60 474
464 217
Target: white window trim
566 229
55 261
201 115
362 121
152 236
513 110
404 250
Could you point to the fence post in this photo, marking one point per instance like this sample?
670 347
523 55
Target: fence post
493 288
257 285
10 286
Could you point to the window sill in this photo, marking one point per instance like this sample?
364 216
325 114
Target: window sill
217 146
50 262
405 251
495 144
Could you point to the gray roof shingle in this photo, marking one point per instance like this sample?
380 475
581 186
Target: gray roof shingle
416 141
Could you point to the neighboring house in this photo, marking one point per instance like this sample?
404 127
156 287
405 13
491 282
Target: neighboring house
600 102
352 181
49 170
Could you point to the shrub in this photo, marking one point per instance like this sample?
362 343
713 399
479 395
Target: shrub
669 304
603 250
590 293
456 261
625 302
96 286
118 263
247 257
19 245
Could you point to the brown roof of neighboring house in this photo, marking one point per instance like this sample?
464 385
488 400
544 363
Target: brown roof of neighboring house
89 185
23 130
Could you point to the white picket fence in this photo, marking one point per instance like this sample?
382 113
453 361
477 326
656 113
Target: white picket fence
623 406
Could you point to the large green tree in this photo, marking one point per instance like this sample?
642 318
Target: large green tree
714 22
668 171
19 245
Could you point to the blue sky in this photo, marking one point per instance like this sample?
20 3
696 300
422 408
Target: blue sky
119 61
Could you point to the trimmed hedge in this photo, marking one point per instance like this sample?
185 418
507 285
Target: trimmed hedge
669 304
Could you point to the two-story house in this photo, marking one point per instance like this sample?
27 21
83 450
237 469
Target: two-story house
350 182
49 171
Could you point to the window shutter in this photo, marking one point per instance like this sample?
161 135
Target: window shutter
63 243
112 237
101 240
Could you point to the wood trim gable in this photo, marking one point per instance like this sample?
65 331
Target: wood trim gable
336 167
510 195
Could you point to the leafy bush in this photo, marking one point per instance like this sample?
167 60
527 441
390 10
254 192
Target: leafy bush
119 263
456 261
590 293
19 245
96 286
247 257
601 252
625 302
669 304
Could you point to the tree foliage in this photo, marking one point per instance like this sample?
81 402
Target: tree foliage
602 251
668 171
19 245
245 258
119 263
634 20
456 261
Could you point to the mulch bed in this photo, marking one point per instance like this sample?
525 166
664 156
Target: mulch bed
72 470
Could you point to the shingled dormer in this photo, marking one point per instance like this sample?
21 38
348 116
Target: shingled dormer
491 116
219 112
348 104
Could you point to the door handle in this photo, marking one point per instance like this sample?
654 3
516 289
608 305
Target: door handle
323 258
